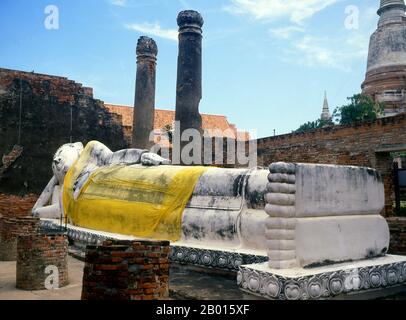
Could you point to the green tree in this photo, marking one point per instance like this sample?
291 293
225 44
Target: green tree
312 125
361 108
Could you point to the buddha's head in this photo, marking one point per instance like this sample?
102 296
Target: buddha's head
64 158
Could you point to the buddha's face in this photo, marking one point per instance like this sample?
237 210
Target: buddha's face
64 158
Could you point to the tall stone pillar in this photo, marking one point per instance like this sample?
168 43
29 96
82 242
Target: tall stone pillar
144 105
189 81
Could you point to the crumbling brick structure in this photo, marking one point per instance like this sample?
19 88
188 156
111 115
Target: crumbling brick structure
47 104
40 257
127 270
11 228
397 228
15 206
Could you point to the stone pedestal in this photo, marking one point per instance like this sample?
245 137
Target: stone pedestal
11 228
42 262
144 105
127 270
375 277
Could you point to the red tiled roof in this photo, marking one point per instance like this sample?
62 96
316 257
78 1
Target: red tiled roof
216 125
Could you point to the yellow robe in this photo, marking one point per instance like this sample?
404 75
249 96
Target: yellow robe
145 202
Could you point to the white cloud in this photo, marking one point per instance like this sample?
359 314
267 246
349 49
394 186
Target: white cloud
285 32
316 52
295 10
119 3
338 53
154 29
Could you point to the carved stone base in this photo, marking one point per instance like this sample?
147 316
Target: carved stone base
323 282
206 257
214 259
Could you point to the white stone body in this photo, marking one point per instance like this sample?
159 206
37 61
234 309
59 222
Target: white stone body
226 209
299 215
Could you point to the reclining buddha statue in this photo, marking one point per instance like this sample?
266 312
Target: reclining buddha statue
296 214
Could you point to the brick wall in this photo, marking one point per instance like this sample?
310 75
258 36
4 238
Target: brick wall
15 206
37 252
125 270
367 144
47 103
11 228
397 228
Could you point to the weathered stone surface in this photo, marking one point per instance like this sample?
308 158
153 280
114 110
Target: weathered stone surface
144 105
328 190
387 58
189 79
341 238
367 279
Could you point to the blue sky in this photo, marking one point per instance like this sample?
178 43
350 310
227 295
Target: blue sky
266 63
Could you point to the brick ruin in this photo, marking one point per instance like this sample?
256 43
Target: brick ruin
397 228
10 229
47 103
16 206
127 270
35 254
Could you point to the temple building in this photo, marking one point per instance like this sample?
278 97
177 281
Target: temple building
214 125
385 79
325 115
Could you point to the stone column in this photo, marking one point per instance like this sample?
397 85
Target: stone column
189 82
144 105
